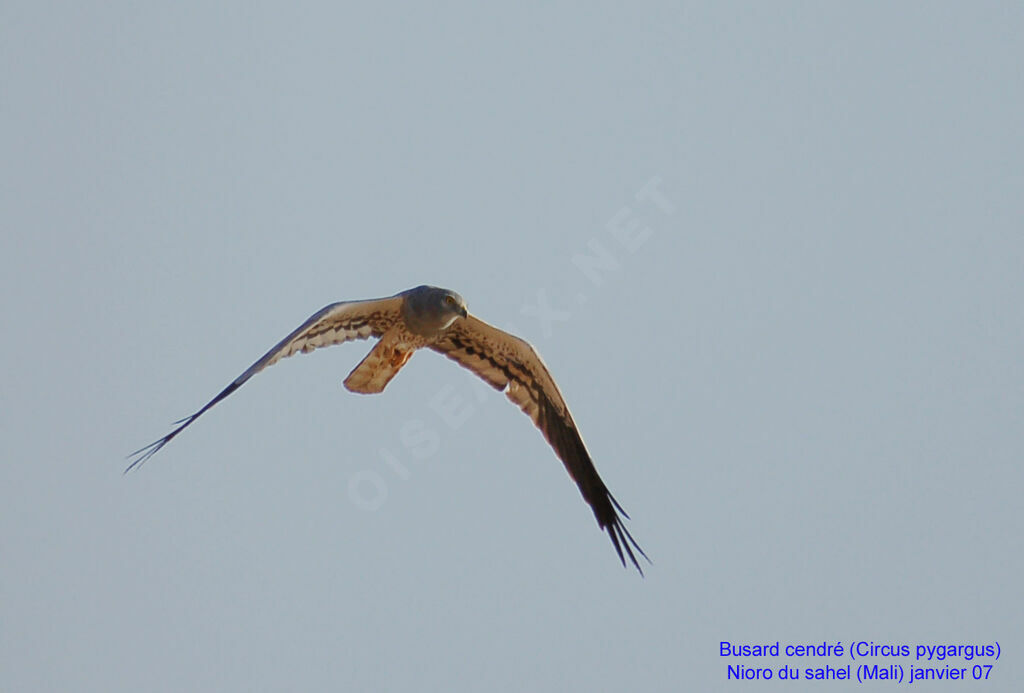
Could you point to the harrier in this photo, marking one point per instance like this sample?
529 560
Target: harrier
428 316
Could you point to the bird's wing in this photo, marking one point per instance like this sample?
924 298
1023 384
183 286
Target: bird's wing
335 324
511 365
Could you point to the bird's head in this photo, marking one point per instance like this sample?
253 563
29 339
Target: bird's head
430 309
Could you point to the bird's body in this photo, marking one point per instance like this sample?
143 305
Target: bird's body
437 319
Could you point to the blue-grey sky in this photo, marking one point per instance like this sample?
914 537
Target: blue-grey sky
797 365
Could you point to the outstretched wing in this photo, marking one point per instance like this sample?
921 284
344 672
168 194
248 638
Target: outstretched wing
511 365
335 324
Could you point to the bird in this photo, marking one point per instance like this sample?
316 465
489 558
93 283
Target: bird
437 319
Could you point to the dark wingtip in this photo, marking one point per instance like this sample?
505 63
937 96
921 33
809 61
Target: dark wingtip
622 540
144 453
625 545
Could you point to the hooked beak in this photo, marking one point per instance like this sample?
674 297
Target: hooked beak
463 312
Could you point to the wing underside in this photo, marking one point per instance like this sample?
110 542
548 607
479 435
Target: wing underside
511 365
334 324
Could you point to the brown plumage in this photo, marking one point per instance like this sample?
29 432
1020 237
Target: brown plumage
431 317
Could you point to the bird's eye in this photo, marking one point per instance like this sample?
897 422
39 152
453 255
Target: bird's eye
449 300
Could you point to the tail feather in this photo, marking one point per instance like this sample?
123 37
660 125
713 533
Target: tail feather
377 369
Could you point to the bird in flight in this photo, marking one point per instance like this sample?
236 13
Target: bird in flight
428 316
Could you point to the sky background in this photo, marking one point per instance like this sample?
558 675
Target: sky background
798 366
